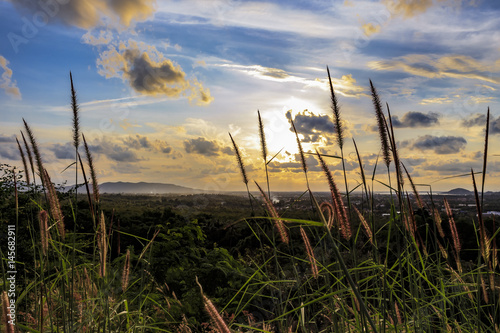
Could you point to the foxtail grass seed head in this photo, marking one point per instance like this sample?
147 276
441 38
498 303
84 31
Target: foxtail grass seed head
453 227
483 287
213 313
394 149
262 138
93 174
36 151
272 210
43 218
438 221
338 204
336 113
240 160
326 206
301 151
28 152
76 118
55 206
381 122
25 165
102 244
310 253
365 224
7 319
126 271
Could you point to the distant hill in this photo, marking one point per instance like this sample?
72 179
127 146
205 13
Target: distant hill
144 188
459 191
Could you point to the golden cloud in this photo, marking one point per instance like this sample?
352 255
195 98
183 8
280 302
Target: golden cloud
370 29
88 14
450 66
148 72
6 82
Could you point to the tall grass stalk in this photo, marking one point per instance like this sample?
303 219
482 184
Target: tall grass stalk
25 165
30 156
76 144
263 146
242 169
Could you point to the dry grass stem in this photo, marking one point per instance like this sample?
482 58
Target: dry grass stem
485 155
310 253
414 188
484 241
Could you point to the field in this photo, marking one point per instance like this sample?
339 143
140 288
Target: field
349 260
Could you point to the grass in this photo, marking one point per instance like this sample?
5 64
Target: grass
340 271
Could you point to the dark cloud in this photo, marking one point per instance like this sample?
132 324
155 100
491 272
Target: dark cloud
416 119
148 77
4 138
138 142
474 120
66 151
439 144
114 152
150 73
9 152
480 120
311 126
204 147
455 167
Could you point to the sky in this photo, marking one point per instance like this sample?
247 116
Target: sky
160 84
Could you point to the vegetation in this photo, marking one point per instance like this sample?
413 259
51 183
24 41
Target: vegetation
98 264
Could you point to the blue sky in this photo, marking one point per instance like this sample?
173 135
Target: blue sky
160 85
